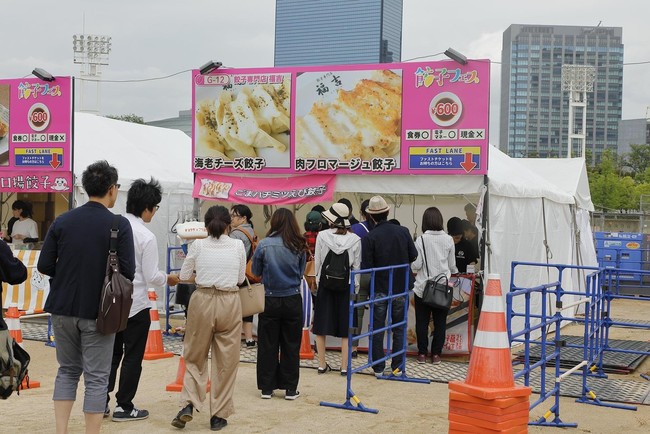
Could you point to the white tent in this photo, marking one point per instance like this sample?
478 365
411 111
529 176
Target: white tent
138 151
537 211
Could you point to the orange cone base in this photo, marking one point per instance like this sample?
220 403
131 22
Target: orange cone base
490 418
520 422
306 352
462 406
489 392
459 427
32 384
156 356
177 385
498 403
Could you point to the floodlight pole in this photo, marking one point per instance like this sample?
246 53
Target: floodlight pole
577 80
91 51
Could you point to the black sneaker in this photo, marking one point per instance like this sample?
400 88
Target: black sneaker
107 411
183 416
120 415
250 344
267 394
292 395
216 423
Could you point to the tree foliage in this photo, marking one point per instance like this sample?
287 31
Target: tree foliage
618 183
128 118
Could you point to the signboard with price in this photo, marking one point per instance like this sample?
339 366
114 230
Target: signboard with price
36 135
401 118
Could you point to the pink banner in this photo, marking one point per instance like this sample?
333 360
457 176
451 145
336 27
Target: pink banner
401 118
265 191
36 135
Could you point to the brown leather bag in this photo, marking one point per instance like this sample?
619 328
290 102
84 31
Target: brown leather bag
117 292
249 264
310 274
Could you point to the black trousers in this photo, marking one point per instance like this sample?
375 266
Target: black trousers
279 330
422 315
130 343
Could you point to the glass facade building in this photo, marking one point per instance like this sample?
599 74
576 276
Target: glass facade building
534 109
327 32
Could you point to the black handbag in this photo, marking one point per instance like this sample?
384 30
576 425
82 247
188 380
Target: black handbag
117 292
437 292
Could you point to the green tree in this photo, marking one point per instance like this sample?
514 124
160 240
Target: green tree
128 118
638 159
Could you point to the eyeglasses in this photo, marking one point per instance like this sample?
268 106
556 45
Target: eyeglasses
118 186
157 207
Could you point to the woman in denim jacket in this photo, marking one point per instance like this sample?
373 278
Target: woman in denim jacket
280 259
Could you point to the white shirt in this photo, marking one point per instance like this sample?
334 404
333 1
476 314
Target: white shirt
218 262
441 258
26 227
147 274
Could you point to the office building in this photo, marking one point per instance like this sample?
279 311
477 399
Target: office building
328 32
632 132
534 109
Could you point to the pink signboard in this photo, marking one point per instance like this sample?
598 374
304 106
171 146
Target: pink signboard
36 135
265 191
401 118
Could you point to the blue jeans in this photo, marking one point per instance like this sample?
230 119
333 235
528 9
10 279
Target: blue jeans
379 321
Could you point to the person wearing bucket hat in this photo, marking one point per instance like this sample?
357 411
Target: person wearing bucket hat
331 308
385 245
464 250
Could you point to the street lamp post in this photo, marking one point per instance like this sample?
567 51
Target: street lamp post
91 52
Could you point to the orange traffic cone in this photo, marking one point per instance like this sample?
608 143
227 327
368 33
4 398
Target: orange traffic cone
489 400
155 349
12 318
306 351
177 385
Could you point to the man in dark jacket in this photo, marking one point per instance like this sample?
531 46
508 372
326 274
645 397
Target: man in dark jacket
12 271
387 244
74 256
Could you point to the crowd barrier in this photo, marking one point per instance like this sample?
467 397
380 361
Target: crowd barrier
555 306
352 401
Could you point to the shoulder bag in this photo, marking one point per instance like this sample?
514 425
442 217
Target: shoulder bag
310 273
437 292
117 292
252 298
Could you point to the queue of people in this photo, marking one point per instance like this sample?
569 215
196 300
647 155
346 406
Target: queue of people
74 257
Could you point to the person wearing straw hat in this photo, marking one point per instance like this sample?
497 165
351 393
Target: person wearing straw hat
331 309
387 244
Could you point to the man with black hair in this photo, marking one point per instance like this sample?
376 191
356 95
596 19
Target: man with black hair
141 205
74 256
385 245
465 253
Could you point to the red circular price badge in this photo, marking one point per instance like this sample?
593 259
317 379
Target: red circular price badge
445 109
38 117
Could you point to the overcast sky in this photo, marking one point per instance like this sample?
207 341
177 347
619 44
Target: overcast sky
154 38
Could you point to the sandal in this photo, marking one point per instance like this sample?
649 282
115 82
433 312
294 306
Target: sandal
327 368
344 372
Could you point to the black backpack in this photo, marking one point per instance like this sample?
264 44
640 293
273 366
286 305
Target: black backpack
335 272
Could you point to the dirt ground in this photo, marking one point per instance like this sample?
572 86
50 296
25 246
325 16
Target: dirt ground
403 407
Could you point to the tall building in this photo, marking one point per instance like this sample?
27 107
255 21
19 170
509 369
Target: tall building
534 109
328 32
632 132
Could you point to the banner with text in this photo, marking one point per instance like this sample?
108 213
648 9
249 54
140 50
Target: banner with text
402 118
265 191
36 135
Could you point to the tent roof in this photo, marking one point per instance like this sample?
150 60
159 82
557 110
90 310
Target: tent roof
136 150
568 174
